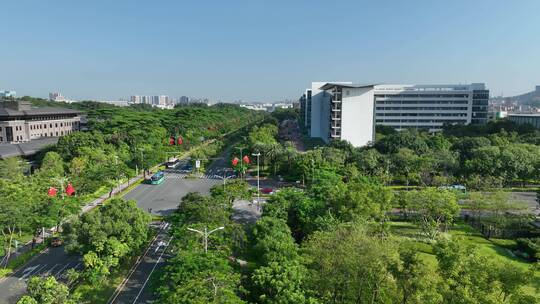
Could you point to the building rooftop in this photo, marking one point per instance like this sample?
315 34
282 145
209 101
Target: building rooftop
330 85
525 114
15 109
27 148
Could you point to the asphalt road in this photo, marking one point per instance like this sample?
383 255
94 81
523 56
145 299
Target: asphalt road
164 198
53 261
136 286
528 198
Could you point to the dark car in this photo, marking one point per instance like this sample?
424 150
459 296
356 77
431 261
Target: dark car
56 242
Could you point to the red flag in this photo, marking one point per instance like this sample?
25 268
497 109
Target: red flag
245 159
52 191
70 190
171 141
235 161
180 141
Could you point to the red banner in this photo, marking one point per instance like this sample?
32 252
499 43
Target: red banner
246 160
235 161
52 191
70 190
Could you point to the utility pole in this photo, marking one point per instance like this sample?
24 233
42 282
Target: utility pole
205 235
241 162
62 181
142 162
258 154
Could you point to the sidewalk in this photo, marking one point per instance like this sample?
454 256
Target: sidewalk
87 207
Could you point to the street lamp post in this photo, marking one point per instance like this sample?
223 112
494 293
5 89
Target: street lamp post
258 154
205 235
62 181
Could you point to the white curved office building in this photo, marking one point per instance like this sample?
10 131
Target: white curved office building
348 111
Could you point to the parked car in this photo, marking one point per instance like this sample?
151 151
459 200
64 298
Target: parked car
56 242
267 190
454 187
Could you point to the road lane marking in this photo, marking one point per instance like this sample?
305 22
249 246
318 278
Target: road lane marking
139 260
58 273
153 268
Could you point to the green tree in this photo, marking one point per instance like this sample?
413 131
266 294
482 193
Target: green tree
15 211
474 278
434 209
52 165
107 236
406 164
12 168
280 283
272 241
272 154
47 291
192 277
348 265
417 282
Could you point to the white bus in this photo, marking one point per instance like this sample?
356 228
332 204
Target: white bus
173 163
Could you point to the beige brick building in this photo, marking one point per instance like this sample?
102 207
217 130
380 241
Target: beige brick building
20 122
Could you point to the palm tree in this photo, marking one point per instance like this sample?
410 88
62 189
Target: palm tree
290 151
273 152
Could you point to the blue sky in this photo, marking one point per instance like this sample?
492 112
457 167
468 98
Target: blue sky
263 50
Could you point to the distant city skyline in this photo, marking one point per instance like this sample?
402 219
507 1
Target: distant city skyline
264 51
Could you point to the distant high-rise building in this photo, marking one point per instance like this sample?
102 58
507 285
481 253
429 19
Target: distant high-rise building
164 100
55 96
6 93
184 99
135 99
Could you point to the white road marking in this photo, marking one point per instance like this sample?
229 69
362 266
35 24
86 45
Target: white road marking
58 274
32 270
153 268
50 270
27 271
139 260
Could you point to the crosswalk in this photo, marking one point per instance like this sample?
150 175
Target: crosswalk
216 174
202 176
58 270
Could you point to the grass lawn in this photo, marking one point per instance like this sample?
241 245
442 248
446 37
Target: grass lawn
497 249
22 239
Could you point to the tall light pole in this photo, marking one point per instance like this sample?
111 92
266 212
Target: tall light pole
258 154
205 235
